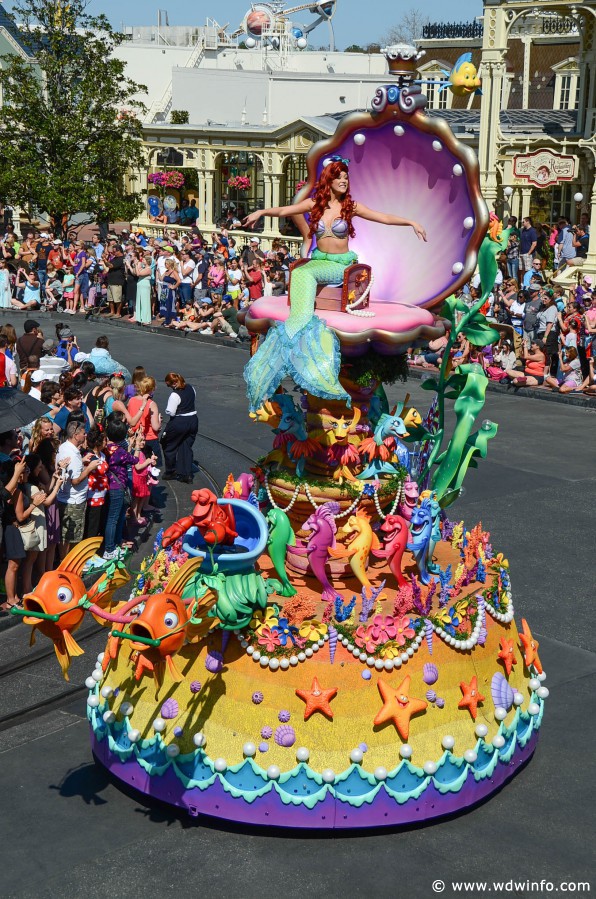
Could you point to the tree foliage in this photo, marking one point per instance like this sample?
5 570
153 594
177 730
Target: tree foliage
409 28
69 127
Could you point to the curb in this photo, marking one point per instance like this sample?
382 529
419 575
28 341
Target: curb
536 393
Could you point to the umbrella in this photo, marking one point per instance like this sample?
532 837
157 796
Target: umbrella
18 409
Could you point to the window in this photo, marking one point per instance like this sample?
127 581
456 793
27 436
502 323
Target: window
433 75
437 99
566 85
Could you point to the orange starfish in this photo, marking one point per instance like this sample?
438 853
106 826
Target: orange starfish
530 647
471 697
398 706
506 655
317 699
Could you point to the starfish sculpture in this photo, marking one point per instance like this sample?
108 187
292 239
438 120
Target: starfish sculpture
506 655
471 697
530 647
398 706
317 699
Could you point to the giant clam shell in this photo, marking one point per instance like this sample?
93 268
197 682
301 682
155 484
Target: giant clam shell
501 692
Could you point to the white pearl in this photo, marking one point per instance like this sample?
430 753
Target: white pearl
359 139
285 664
399 131
90 683
468 223
325 638
404 657
542 692
345 641
301 657
350 647
397 663
321 643
448 742
481 730
328 775
93 702
315 647
96 675
388 665
293 661
542 676
370 661
109 717
302 754
533 708
518 698
498 741
159 725
409 652
256 655
249 749
379 664
533 683
356 756
126 708
273 772
362 657
100 657
500 713
457 267
307 653
220 765
199 739
244 644
263 661
457 170
250 650
380 773
134 736
468 644
429 767
406 751
172 750
470 756
437 145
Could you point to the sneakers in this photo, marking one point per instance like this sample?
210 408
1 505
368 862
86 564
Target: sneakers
205 331
112 557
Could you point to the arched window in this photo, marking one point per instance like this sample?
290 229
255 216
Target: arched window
294 173
434 74
566 84
169 156
240 184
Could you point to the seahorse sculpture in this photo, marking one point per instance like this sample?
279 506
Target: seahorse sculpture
435 535
281 536
323 529
394 534
384 446
421 526
361 539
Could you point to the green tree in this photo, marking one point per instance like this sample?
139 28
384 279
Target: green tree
70 130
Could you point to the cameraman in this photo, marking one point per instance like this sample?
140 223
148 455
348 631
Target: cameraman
580 241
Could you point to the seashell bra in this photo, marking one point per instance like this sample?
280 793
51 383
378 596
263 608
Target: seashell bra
338 228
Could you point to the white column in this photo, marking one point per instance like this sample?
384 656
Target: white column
526 195
209 199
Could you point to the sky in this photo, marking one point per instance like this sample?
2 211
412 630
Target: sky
352 23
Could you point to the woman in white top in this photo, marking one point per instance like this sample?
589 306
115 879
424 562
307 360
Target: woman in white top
5 294
187 271
234 279
570 377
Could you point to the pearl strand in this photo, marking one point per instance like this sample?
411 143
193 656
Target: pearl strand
272 501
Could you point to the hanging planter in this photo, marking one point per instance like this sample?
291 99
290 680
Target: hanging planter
239 182
166 179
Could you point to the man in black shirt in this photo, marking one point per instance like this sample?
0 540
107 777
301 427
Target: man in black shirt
113 262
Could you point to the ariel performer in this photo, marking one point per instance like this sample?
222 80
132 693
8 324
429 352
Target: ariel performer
304 347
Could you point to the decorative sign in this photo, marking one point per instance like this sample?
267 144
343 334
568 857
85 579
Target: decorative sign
543 168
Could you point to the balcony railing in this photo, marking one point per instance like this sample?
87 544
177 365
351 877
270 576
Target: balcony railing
452 30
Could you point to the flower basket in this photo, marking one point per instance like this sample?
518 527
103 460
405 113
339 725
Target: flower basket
239 182
166 179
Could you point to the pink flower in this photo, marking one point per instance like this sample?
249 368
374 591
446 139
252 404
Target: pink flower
268 639
383 628
404 631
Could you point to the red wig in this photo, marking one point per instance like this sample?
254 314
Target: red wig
322 197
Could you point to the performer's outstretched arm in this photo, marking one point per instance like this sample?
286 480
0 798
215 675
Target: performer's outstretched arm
278 212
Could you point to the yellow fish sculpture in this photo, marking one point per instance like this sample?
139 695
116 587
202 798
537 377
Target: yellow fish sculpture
463 79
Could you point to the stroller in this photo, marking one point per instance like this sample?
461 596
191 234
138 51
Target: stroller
98 297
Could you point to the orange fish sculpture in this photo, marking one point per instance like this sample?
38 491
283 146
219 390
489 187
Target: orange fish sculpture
163 623
58 595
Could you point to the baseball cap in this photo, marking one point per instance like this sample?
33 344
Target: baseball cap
587 279
38 376
57 243
226 298
30 325
81 357
44 234
255 240
65 332
49 345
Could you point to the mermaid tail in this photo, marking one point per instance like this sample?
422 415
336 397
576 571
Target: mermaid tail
312 358
303 348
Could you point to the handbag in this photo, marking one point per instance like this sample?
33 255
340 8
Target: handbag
29 534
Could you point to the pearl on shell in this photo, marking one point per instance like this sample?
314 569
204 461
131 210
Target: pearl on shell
481 730
380 773
93 702
273 772
90 683
470 756
100 656
542 676
437 146
356 756
134 735
172 750
159 725
533 708
429 767
220 765
302 754
249 750
406 751
448 742
126 708
498 741
518 698
109 717
359 139
328 775
500 713
533 683
399 131
457 170
199 739
542 692
468 223
97 675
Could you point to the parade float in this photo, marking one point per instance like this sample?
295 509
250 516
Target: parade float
327 645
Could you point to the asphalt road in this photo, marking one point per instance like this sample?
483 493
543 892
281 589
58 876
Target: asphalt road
67 831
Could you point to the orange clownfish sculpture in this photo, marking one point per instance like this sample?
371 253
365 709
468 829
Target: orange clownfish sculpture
58 595
163 623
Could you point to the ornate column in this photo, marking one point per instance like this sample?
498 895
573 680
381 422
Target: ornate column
526 196
494 48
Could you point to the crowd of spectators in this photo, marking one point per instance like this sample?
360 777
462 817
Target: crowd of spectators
179 280
87 466
547 333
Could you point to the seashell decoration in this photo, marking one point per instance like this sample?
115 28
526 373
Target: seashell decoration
440 703
266 732
501 692
285 735
284 716
170 708
257 697
431 695
214 661
195 686
430 673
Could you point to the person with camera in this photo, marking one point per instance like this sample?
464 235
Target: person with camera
580 241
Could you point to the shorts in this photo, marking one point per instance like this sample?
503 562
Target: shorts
525 262
115 294
72 522
14 549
